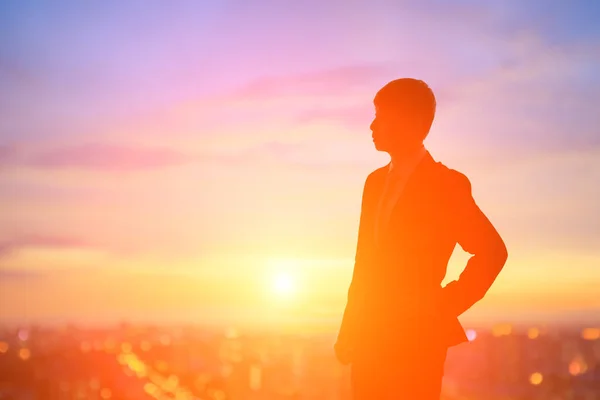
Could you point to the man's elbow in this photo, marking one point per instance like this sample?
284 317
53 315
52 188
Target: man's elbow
498 253
502 252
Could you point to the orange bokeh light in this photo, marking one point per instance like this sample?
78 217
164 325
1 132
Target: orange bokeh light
536 378
591 334
24 354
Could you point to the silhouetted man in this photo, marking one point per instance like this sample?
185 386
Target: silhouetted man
399 321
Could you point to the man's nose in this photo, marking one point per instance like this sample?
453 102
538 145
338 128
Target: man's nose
372 126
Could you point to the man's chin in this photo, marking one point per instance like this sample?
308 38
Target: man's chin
379 146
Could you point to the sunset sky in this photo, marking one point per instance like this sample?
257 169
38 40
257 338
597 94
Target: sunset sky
205 160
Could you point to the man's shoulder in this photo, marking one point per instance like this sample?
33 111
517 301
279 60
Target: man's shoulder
381 170
453 178
378 173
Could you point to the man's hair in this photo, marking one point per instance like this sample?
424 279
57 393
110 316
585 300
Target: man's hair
408 95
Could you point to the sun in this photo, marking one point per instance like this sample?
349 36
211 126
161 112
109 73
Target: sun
283 283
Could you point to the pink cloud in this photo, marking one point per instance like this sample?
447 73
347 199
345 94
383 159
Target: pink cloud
323 82
8 155
353 116
268 151
108 157
304 155
21 274
59 242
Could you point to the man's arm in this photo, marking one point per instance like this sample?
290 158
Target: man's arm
477 236
346 339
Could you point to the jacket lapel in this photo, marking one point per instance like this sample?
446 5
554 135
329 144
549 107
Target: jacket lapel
376 189
413 185
406 208
373 193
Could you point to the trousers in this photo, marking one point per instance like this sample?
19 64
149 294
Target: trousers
406 369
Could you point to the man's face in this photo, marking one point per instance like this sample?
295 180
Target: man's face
393 132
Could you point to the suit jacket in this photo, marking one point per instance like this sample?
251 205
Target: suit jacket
396 283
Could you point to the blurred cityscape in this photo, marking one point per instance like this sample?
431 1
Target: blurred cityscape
131 362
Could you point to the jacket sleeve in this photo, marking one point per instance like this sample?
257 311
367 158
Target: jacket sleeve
477 236
347 335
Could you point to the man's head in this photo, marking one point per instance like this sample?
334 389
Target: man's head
404 112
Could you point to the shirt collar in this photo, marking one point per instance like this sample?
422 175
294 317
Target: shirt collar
407 163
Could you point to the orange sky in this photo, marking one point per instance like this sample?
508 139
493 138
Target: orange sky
174 165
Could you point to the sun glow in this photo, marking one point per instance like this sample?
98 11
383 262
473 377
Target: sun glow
283 283
283 273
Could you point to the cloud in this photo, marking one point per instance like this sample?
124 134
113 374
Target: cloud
352 117
270 151
307 156
109 157
25 241
12 274
332 81
5 154
9 155
260 107
13 73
